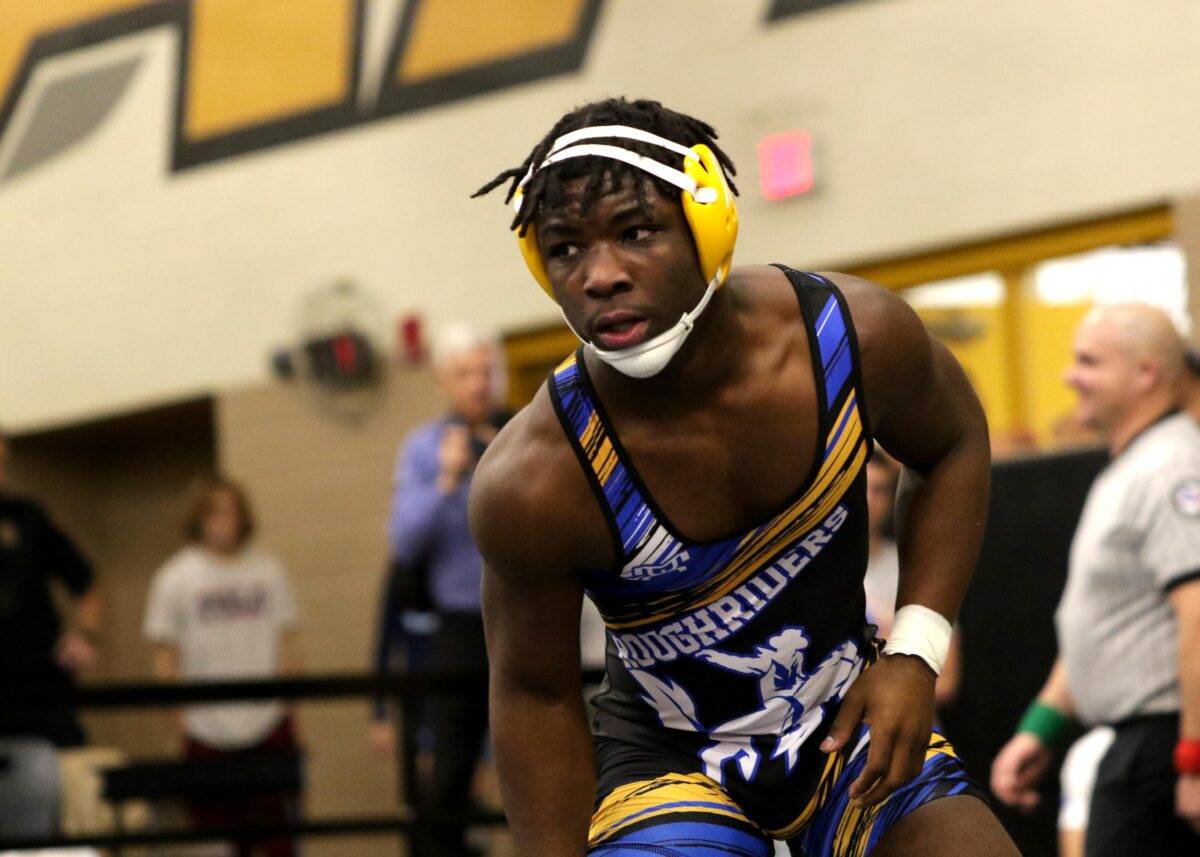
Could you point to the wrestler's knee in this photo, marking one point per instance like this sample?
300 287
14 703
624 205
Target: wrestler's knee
947 827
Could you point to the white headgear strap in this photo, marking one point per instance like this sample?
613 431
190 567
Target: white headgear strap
563 149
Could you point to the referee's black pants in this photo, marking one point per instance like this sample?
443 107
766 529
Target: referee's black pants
459 724
1132 813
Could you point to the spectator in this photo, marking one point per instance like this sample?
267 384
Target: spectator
429 536
593 641
34 648
1129 619
1191 397
1078 778
883 567
883 562
221 609
405 627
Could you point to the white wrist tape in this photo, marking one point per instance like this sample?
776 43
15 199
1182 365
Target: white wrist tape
922 632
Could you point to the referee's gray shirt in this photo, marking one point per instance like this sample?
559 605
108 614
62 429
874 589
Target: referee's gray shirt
1138 537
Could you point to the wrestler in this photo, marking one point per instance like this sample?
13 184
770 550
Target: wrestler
697 466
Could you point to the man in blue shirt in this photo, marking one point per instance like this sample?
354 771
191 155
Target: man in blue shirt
430 541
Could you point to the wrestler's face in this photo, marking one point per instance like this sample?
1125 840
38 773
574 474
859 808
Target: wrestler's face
622 273
1104 374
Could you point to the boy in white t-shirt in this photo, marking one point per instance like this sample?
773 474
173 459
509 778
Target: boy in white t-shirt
221 609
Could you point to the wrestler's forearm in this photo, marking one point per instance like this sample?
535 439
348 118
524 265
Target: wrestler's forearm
543 751
941 513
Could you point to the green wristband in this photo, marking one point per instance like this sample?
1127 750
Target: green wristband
1046 722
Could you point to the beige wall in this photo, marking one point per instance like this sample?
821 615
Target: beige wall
936 121
321 487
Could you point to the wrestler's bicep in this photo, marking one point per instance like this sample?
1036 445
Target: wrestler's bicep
525 518
919 400
532 624
933 408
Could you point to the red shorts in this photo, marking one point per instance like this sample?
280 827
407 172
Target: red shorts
253 809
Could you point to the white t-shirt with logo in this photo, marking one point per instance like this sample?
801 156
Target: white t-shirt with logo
226 615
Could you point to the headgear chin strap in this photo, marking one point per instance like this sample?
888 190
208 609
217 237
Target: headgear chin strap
707 206
647 359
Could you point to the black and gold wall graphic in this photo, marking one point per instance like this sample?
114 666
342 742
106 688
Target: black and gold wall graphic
786 8
257 73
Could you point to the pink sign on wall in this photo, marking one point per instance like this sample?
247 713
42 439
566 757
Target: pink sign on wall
785 165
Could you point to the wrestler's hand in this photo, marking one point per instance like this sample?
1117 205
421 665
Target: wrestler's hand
895 698
1187 800
1019 768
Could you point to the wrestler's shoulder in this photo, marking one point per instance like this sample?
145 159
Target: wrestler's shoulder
876 311
766 288
898 359
879 314
529 483
893 345
769 288
529 454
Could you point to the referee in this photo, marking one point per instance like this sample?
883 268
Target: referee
1129 620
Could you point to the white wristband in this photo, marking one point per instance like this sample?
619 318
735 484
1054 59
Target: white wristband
922 632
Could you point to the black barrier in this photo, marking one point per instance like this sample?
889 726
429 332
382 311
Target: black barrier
1007 620
165 694
327 827
407 821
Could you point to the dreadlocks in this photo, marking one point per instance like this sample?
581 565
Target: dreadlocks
547 187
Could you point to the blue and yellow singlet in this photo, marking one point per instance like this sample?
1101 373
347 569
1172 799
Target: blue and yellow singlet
727 658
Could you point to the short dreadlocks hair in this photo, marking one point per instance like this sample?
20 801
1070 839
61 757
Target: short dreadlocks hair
548 186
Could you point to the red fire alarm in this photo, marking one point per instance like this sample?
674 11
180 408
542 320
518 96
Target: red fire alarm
785 166
410 334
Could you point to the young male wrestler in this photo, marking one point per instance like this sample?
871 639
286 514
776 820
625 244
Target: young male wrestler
697 467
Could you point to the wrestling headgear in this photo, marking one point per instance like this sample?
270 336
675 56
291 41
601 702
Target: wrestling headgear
708 207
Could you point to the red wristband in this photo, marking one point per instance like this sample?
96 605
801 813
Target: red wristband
1187 757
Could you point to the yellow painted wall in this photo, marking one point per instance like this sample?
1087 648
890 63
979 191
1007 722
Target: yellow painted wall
22 21
446 40
1043 350
266 60
1047 335
983 356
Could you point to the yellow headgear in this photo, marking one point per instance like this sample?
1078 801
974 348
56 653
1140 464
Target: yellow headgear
707 201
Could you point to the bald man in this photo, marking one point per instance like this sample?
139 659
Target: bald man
1192 385
1129 620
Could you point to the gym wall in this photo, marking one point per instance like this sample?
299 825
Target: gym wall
174 176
